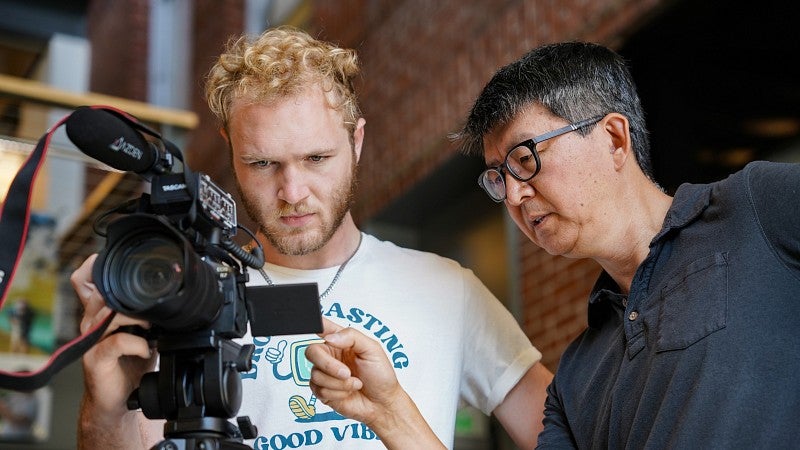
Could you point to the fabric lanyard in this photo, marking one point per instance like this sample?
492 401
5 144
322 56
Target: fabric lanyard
14 221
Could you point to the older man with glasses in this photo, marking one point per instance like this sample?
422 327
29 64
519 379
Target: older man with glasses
692 328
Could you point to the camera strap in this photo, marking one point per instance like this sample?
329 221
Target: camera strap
14 221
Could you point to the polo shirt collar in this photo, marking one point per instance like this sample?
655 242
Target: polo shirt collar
689 202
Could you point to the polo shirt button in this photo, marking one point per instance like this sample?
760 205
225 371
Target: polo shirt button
633 315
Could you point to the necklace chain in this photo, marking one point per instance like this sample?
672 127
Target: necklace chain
335 277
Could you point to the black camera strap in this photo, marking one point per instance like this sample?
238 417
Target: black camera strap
14 221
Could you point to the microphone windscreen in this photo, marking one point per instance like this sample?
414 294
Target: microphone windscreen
107 138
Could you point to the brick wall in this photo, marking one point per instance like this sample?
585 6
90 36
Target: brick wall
118 34
554 295
423 64
214 23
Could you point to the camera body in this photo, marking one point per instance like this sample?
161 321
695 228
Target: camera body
170 262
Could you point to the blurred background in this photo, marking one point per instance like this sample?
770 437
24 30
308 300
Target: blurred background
718 82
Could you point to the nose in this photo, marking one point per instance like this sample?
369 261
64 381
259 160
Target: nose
518 191
293 188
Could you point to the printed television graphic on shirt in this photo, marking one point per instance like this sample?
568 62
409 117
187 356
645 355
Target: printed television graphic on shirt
283 359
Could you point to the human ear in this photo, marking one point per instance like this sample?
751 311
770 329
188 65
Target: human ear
358 137
224 134
620 146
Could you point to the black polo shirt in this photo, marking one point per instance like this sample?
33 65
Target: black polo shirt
705 351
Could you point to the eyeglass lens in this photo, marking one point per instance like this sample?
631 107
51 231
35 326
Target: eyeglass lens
492 182
520 162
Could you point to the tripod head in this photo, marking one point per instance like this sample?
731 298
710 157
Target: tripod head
197 389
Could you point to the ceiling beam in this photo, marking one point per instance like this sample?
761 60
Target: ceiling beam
45 94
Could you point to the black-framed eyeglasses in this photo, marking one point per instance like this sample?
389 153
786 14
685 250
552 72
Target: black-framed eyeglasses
522 161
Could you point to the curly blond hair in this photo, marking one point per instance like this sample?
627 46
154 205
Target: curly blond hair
279 63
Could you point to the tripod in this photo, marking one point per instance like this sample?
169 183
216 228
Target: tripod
197 389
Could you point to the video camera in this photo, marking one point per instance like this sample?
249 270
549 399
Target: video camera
171 260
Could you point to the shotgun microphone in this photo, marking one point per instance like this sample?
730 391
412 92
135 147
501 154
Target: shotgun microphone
107 138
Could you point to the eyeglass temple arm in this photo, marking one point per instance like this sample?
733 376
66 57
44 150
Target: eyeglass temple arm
567 129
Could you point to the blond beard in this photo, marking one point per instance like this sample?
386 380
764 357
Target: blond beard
302 241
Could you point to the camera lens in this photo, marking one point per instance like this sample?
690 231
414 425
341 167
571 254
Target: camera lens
151 269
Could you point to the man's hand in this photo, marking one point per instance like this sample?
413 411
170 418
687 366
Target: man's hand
353 375
112 369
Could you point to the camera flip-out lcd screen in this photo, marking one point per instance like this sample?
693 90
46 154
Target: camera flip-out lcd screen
284 309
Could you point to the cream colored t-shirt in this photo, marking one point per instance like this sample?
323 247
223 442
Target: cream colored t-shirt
449 339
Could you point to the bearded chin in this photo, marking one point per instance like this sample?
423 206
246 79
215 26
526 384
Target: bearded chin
303 241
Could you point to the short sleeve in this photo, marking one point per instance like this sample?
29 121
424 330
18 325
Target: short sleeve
497 351
773 190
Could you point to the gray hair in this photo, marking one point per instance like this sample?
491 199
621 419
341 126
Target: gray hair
573 80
